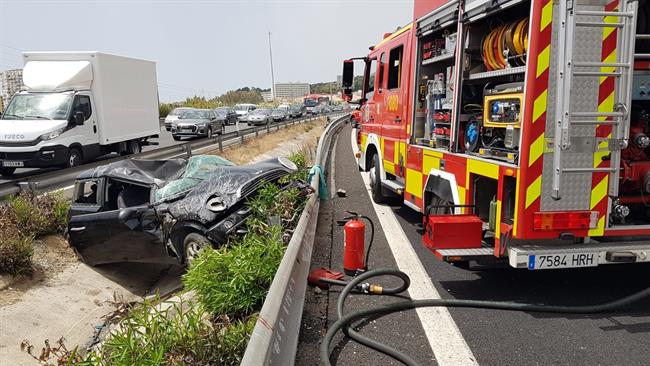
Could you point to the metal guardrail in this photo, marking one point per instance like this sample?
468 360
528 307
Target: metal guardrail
275 337
52 180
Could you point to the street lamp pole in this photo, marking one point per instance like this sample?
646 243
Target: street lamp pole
272 77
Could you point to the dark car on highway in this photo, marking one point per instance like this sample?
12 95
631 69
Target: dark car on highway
197 122
297 110
228 115
164 211
279 115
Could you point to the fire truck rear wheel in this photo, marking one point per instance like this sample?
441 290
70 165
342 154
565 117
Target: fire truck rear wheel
375 181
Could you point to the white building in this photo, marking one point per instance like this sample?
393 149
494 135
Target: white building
11 81
267 96
291 90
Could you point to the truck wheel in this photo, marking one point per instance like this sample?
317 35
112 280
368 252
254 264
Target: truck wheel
74 158
135 147
375 181
5 172
176 138
192 244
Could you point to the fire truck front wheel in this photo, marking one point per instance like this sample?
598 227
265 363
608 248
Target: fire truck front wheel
375 181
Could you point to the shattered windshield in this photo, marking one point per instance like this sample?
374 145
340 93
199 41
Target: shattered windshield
39 106
198 169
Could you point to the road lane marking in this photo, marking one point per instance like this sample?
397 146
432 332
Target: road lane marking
446 341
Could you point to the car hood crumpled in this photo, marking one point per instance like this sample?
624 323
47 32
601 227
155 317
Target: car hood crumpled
231 184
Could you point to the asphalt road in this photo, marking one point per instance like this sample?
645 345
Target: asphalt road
493 337
164 140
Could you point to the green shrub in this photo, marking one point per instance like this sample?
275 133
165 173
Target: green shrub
23 218
182 334
233 280
39 215
16 254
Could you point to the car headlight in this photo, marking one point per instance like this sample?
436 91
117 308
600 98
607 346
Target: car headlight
52 135
215 204
287 163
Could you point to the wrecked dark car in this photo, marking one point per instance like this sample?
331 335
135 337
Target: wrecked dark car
163 211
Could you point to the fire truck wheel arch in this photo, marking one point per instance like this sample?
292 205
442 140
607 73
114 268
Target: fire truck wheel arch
371 147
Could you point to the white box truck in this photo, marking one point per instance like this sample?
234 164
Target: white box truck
76 106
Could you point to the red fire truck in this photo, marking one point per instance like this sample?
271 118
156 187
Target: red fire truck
518 128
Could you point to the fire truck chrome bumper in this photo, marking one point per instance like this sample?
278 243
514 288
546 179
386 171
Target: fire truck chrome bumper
536 257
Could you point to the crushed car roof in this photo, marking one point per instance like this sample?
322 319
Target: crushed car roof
151 172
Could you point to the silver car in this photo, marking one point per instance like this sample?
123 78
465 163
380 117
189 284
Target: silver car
173 116
260 117
197 122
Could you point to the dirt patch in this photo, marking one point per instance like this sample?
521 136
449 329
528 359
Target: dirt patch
252 148
52 255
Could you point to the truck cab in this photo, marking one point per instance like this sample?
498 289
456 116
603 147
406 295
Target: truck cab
47 129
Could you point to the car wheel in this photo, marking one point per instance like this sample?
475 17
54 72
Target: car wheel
375 181
5 172
74 158
208 133
192 244
176 138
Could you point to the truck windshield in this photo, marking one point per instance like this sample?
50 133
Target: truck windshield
39 106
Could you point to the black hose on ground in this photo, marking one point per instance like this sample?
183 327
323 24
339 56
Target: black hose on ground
345 321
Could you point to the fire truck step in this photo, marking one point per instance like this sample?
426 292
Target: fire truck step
393 186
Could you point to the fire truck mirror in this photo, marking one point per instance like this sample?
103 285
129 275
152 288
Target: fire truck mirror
348 75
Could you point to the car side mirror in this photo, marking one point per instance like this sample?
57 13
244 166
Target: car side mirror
79 118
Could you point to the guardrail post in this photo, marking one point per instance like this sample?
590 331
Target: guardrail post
242 138
28 186
188 150
268 129
257 131
220 141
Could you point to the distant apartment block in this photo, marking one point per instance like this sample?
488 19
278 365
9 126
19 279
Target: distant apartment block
291 90
267 96
10 83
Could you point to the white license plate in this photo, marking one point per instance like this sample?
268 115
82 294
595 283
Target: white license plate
569 260
13 164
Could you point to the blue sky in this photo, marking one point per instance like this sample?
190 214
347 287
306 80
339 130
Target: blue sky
205 47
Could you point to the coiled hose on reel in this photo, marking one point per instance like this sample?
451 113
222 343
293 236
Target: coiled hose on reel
345 321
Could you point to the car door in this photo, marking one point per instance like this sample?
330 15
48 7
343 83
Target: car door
129 234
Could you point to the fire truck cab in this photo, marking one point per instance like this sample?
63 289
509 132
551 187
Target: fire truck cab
518 128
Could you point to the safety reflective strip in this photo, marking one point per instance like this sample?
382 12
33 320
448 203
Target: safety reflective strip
430 162
483 168
539 107
598 192
536 150
414 182
533 191
389 167
547 16
543 60
364 138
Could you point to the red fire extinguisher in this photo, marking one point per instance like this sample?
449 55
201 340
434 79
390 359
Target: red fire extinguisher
355 253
